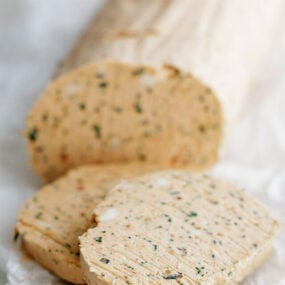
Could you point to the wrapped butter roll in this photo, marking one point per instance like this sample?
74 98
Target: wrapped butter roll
155 81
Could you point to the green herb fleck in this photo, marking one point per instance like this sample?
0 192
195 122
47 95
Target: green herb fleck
117 109
33 134
169 219
201 98
138 71
175 193
98 239
39 215
138 107
105 260
199 270
154 247
173 276
202 128
44 117
103 84
192 214
82 106
97 131
142 157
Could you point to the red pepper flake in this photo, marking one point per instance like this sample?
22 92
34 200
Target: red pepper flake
64 157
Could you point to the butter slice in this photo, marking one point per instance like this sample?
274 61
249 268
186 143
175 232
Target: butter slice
50 222
176 227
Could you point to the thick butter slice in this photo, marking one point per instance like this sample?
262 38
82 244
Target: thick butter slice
176 227
50 222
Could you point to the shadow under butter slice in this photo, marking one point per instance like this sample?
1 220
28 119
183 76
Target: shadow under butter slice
176 227
49 223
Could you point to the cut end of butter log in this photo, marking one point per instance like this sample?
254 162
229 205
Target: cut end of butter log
176 227
117 112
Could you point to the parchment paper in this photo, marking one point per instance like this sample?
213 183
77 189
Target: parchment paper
34 35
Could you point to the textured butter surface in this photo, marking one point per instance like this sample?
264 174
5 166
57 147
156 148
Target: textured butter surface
50 222
176 227
114 112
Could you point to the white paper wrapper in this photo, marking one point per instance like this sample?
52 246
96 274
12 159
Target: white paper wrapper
34 35
21 271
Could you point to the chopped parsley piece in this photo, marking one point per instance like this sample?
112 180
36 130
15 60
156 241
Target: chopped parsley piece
138 71
44 117
154 247
97 131
105 260
172 276
98 239
68 245
192 214
39 215
199 270
103 84
82 106
142 157
202 128
169 219
138 107
117 109
33 134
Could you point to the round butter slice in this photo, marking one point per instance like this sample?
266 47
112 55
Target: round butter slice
50 223
176 227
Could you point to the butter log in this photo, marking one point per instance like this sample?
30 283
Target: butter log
128 91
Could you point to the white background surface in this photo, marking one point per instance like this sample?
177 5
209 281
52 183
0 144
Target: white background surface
35 35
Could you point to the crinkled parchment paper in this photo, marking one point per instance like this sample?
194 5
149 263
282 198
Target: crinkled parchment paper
34 35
